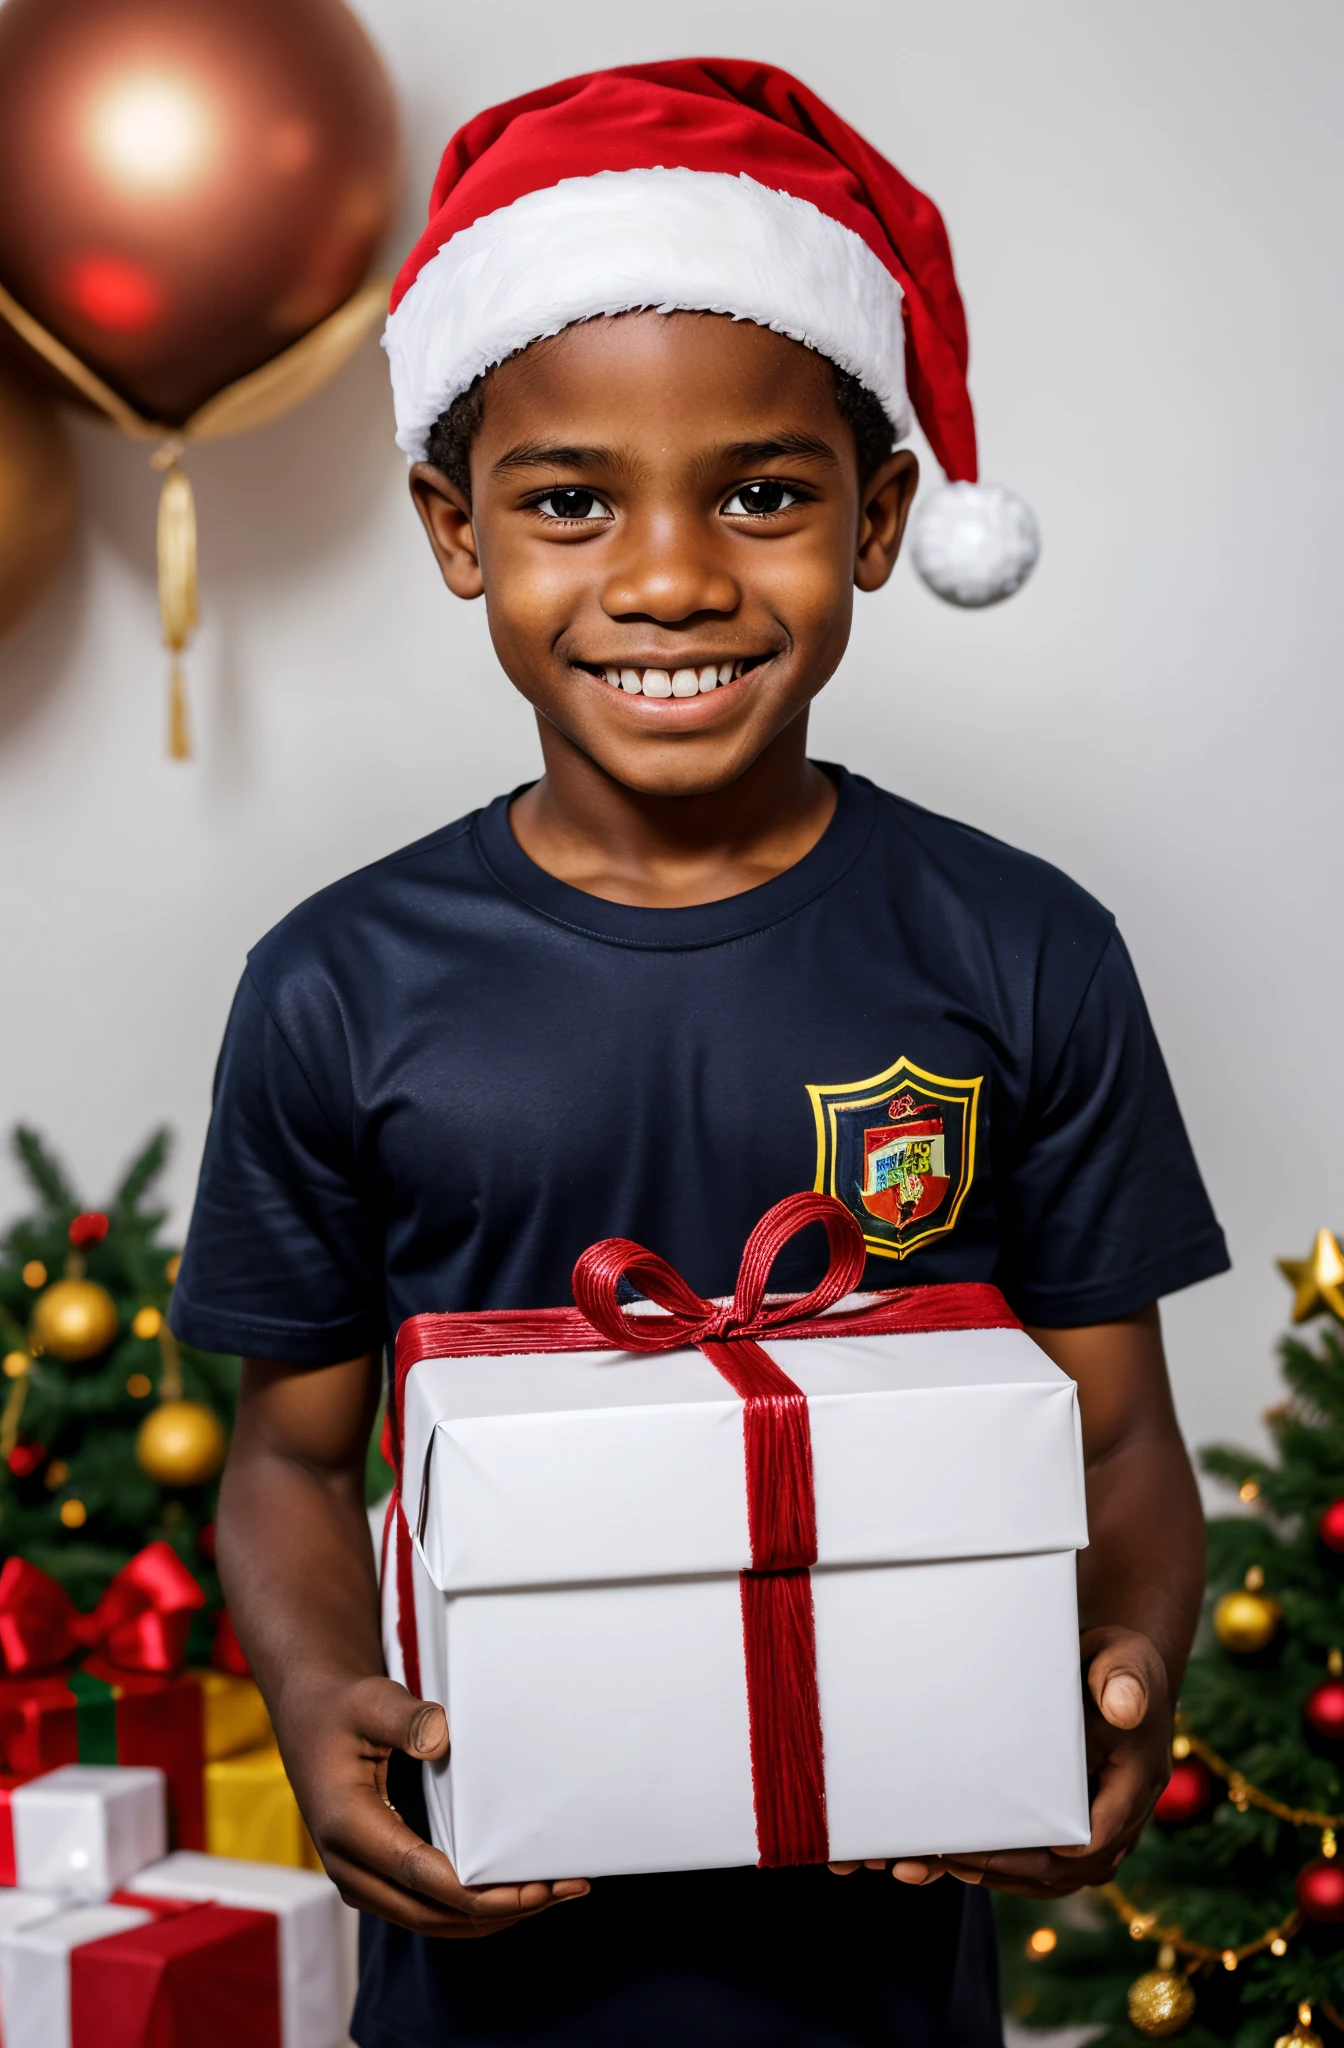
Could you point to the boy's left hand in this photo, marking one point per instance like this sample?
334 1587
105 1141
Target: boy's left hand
1128 1753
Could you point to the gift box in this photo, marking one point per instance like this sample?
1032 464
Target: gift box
251 1811
129 1702
82 1829
142 1974
306 1911
707 1584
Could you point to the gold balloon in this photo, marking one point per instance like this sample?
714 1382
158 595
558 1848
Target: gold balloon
74 1319
1245 1622
37 493
1160 2004
180 1443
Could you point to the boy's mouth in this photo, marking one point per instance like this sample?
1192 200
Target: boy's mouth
674 682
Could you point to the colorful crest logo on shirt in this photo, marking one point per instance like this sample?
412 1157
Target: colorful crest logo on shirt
899 1150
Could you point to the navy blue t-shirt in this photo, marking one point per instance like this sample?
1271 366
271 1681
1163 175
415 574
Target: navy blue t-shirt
448 1074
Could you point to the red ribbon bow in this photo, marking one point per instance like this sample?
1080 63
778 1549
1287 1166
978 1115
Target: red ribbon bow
787 1762
141 1622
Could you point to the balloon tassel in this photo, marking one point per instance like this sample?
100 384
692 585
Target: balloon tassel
179 732
178 599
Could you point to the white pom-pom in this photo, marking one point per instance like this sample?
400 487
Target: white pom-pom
975 543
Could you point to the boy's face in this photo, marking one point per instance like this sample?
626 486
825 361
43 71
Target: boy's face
656 499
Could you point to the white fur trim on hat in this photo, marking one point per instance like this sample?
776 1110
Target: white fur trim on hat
668 240
975 543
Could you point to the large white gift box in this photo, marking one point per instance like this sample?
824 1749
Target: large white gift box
602 1572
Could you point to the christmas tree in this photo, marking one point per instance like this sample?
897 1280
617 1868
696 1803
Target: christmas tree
111 1433
1226 1925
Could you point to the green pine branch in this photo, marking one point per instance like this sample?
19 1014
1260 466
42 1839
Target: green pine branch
44 1173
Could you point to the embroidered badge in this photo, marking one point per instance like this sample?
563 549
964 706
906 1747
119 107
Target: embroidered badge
899 1150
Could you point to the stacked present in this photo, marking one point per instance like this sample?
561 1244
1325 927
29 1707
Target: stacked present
109 1943
111 1687
114 1753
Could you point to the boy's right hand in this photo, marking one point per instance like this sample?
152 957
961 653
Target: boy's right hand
336 1741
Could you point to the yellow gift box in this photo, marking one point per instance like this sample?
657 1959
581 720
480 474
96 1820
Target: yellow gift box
251 1811
233 1715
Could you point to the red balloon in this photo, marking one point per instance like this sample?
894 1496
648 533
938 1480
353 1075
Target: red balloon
1330 1528
1324 1709
188 189
1188 1791
1320 1890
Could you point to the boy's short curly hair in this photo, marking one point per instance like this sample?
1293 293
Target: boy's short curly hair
451 436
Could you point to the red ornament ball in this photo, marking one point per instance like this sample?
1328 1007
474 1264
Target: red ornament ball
1320 1890
1189 1790
90 1228
25 1458
1323 1709
1330 1528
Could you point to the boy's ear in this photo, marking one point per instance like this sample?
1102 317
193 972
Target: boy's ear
446 516
887 498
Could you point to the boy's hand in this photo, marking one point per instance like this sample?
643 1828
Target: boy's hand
1128 1745
339 1741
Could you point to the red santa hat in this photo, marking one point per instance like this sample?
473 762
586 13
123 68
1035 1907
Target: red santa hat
705 185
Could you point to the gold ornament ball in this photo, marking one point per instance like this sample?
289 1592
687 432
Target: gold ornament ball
1244 1622
75 1319
180 1443
1301 2037
1160 2004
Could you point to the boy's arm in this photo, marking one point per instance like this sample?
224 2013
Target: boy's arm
1140 1584
298 1573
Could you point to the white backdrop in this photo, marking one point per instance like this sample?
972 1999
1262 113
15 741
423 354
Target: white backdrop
1142 203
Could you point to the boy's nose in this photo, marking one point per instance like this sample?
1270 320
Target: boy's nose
669 571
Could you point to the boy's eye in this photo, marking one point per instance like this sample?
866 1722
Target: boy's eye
765 496
572 504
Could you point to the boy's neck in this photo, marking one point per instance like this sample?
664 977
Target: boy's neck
666 852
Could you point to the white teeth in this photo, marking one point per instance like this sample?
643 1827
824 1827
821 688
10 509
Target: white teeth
657 683
685 682
709 679
630 681
613 676
725 671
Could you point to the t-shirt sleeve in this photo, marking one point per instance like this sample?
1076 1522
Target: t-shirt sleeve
280 1260
1103 1209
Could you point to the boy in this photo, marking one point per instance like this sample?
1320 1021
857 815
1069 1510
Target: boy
650 362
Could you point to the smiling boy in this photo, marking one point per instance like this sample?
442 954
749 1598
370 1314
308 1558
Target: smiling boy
685 973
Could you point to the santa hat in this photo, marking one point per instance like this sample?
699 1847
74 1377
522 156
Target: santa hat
705 185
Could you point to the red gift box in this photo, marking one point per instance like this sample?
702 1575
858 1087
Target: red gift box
99 1715
193 1977
125 1703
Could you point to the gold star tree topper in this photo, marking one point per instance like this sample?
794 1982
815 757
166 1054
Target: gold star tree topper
1318 1280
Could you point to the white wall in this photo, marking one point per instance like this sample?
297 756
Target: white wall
1142 205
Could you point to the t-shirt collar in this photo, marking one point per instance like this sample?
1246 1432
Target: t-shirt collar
697 924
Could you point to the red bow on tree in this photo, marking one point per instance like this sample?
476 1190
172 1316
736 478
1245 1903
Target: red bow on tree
140 1624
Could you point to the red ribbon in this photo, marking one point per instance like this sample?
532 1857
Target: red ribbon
787 1762
141 1622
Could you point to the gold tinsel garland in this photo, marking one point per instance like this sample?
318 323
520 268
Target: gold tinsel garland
1146 1926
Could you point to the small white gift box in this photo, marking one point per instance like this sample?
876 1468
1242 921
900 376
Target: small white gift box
602 1573
85 1828
307 1909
